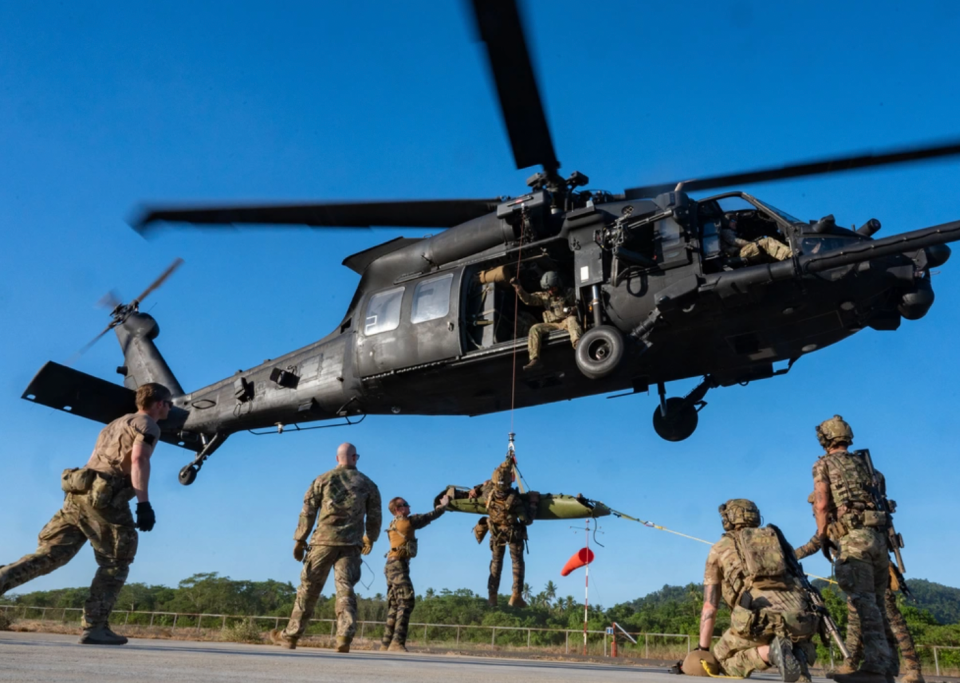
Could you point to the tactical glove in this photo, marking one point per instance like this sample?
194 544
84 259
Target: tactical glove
826 545
299 550
367 546
444 502
145 517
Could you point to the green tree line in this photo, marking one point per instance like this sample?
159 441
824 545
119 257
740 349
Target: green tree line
672 609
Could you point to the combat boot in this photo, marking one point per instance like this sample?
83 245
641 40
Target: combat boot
516 600
397 647
277 638
781 656
804 666
492 599
343 643
101 635
533 364
861 677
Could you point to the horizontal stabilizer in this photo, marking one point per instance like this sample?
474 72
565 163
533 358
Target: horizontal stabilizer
77 393
550 506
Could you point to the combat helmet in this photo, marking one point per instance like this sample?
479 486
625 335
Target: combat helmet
834 431
502 477
737 513
550 279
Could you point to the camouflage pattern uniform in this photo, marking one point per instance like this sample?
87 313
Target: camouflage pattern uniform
898 635
761 610
96 508
554 317
753 251
863 566
401 598
341 498
507 524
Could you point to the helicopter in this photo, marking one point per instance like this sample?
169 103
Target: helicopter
430 329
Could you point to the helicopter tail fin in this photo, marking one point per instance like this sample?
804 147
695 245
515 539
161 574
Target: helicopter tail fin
63 388
142 362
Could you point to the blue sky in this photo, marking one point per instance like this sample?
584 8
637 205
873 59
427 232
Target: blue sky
105 105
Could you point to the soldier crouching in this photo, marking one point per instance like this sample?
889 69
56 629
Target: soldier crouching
772 621
401 598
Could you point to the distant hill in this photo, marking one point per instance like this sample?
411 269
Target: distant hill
942 602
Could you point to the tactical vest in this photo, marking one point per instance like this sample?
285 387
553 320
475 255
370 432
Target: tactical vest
403 539
760 564
850 486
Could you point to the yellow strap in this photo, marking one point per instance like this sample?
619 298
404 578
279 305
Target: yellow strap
703 663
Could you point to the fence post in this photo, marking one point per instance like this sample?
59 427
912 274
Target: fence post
688 644
458 635
646 646
363 626
528 638
604 643
63 617
566 642
126 618
224 626
152 615
493 637
830 647
174 621
936 660
424 634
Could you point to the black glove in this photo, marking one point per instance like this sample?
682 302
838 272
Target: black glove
826 545
145 517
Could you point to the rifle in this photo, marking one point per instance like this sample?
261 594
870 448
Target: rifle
884 504
826 621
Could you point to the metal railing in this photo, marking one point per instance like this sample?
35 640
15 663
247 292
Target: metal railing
196 621
572 639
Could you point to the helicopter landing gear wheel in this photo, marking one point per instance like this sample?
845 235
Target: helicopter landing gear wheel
600 351
679 422
188 474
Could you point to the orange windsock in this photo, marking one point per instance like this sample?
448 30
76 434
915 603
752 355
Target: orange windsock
580 558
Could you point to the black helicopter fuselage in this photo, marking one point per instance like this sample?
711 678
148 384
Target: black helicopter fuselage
459 358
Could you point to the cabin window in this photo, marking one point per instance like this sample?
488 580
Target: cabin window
383 312
431 299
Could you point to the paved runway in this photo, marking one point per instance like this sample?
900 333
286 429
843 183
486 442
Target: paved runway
48 657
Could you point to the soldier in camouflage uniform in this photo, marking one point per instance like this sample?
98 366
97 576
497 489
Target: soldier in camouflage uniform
847 520
507 524
747 252
772 621
560 313
96 508
401 598
898 635
342 498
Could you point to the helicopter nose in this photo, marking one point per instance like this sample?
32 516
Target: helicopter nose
937 255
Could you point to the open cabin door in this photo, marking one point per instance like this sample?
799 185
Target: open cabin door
410 324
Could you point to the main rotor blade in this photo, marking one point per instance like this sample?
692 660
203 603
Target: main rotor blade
835 165
498 23
159 281
441 213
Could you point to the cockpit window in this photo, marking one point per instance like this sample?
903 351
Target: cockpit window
821 245
383 312
783 214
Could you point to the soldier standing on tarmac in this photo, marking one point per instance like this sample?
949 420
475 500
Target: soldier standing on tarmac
403 547
507 524
96 508
848 521
898 636
342 498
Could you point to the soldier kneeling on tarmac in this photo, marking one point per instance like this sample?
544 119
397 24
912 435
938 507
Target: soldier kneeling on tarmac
771 621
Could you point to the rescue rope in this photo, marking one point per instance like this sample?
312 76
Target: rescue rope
516 314
651 525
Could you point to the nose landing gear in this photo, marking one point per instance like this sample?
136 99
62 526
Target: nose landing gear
675 419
